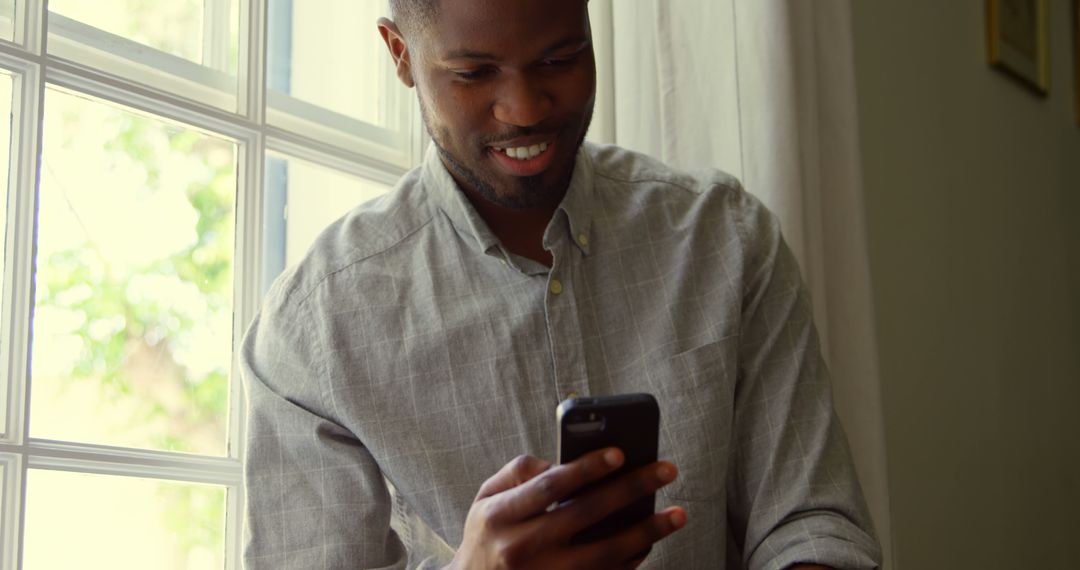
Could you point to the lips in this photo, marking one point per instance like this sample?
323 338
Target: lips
523 157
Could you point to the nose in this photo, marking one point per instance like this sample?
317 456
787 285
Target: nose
522 102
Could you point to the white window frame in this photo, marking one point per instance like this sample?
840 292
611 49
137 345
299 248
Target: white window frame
33 70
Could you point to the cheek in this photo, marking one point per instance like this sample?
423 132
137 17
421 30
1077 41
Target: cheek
579 93
460 109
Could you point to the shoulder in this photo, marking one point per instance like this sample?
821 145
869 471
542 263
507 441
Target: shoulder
621 166
645 184
366 235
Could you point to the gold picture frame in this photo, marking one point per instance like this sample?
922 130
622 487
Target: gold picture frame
1017 40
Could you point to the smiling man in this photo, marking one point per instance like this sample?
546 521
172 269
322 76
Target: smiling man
402 379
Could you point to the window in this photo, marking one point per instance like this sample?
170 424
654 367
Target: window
161 163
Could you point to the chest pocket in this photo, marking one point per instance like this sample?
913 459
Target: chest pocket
695 391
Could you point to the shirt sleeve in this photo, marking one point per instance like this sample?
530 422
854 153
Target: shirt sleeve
793 494
315 496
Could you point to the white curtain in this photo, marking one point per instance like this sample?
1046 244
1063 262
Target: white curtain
765 90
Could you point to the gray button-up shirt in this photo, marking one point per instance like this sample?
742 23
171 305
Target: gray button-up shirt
410 356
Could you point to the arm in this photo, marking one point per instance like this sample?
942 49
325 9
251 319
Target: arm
793 495
315 496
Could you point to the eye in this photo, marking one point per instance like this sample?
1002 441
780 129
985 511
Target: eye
474 74
559 61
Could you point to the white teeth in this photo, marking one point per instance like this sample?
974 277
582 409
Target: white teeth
525 152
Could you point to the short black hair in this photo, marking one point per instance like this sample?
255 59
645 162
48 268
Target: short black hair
413 14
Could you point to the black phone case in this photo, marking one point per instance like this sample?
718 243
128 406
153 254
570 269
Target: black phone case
631 422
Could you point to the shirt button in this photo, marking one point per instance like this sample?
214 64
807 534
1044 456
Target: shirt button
555 287
583 240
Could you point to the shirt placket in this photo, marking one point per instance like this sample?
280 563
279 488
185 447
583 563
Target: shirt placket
564 327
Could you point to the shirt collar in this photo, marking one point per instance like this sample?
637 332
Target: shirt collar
575 208
449 198
577 205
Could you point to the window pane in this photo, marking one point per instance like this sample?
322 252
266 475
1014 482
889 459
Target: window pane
329 54
76 520
7 19
302 199
174 27
133 309
194 43
6 85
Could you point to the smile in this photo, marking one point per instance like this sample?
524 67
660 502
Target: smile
529 158
524 152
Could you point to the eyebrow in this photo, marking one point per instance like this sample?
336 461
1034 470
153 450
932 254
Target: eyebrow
577 41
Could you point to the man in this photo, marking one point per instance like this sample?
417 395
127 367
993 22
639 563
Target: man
428 336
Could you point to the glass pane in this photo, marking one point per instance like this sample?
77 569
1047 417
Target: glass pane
195 43
118 523
7 20
174 27
133 309
329 55
302 199
6 86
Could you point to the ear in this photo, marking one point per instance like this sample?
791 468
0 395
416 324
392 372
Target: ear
399 51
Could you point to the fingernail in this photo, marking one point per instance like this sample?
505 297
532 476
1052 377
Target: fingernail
665 473
678 519
612 458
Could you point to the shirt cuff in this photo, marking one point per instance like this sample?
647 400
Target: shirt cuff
828 539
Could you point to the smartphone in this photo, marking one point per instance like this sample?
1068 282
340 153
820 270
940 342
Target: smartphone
630 422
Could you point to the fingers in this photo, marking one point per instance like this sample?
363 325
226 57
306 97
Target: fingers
589 509
519 470
534 496
633 540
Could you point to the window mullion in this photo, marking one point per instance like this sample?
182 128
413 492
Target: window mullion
146 99
355 164
27 111
106 460
30 25
248 246
253 60
216 34
10 515
246 289
19 245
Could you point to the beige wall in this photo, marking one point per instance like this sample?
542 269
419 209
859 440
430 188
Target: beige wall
973 210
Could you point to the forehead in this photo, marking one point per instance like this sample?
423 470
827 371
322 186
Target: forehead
505 28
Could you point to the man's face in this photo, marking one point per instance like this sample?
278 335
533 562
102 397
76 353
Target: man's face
507 91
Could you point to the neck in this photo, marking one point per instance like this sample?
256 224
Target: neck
521 231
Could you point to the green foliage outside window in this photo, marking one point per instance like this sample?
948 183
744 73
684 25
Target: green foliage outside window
136 328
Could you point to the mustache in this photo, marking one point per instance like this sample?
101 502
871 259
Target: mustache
517 132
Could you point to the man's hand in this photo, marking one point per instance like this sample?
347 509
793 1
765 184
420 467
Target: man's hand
509 525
